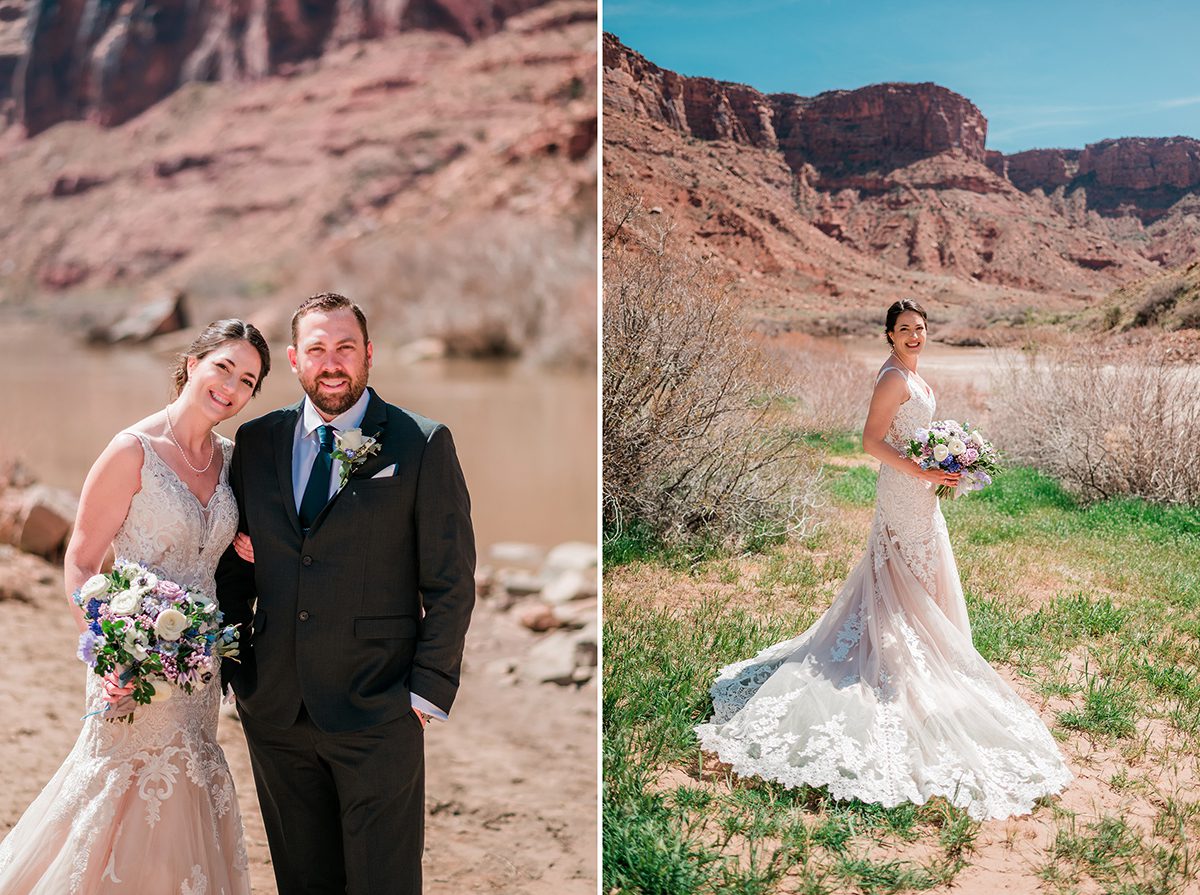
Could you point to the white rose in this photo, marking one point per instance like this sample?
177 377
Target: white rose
951 424
940 452
956 446
95 588
127 602
977 439
170 624
351 440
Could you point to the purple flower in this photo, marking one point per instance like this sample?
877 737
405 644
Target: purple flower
88 642
968 457
169 590
93 608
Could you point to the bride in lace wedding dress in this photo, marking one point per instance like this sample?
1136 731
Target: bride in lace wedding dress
884 699
148 807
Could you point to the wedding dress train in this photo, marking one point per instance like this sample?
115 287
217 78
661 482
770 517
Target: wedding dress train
884 698
147 807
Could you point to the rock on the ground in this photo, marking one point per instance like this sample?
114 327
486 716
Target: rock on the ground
158 317
25 578
562 657
519 583
539 617
569 585
37 519
578 613
516 554
571 556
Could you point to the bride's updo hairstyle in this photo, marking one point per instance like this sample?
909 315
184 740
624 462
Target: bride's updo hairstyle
214 336
894 312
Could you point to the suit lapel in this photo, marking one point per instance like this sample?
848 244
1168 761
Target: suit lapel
374 425
285 439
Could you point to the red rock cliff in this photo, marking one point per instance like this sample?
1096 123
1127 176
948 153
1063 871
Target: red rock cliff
1136 176
844 132
108 61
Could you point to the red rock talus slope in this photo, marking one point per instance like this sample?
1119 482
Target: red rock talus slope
828 203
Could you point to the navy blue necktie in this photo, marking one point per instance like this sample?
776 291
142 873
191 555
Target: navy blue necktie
316 493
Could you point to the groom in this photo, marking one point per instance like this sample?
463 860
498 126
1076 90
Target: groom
354 613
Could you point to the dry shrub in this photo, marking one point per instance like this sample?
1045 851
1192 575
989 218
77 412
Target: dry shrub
695 445
961 398
831 389
1104 429
1158 300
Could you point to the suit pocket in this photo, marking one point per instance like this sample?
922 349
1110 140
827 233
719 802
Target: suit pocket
372 484
385 627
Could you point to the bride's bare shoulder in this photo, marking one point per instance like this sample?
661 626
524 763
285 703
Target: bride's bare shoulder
898 382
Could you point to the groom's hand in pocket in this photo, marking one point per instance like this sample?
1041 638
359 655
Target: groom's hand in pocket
422 717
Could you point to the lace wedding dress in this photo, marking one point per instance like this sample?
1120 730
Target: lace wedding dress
148 807
884 699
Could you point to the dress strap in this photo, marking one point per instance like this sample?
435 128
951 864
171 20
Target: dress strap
144 442
887 369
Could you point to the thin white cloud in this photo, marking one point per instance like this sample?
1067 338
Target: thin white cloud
1177 103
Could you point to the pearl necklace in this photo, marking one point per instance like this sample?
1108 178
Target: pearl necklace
901 362
212 447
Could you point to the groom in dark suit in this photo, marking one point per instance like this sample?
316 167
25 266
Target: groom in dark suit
353 612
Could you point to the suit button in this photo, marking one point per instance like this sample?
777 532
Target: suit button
303 615
307 560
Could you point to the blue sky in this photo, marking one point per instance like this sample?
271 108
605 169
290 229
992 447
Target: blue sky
1044 74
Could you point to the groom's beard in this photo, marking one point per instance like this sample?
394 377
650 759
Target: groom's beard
334 404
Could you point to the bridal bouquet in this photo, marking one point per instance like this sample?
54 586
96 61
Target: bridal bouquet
955 447
149 631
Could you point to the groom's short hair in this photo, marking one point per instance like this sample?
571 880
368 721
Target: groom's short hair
328 301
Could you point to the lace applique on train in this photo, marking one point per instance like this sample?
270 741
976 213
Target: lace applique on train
183 808
884 698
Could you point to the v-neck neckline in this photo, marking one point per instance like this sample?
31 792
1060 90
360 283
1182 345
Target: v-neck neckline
204 507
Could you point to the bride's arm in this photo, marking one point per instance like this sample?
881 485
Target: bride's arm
890 392
109 487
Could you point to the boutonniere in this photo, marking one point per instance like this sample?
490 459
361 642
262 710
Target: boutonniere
352 448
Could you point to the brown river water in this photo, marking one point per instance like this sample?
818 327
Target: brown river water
526 437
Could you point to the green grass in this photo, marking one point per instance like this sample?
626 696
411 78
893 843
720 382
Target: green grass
1113 643
838 444
854 486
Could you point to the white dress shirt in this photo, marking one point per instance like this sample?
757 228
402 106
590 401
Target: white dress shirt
304 451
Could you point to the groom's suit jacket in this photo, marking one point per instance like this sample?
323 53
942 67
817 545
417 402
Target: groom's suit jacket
374 601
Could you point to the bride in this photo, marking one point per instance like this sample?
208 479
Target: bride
884 699
149 807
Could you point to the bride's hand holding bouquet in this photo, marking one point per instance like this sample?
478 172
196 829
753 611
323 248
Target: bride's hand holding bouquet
954 457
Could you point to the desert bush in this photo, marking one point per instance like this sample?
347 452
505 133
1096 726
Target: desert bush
1104 429
831 389
1159 299
695 441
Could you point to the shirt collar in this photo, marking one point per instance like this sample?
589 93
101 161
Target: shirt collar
348 419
